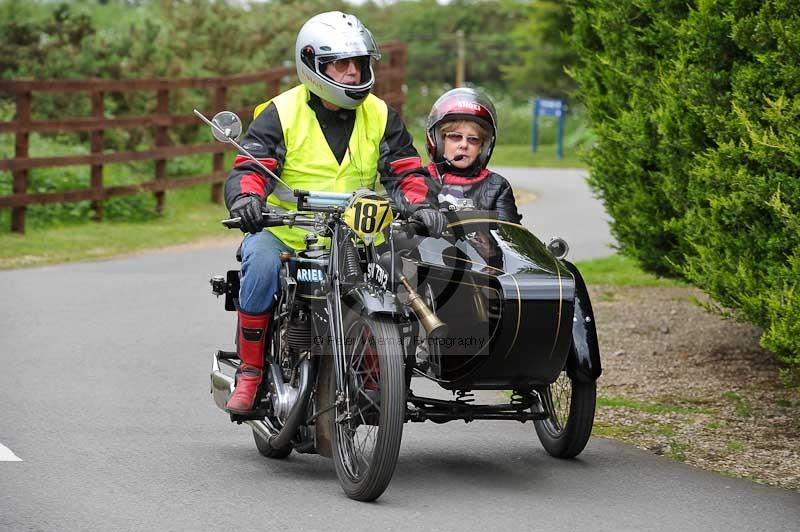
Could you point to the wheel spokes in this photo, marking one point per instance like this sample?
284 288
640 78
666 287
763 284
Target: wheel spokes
358 428
558 400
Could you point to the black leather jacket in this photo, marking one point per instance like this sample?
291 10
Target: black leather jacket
488 191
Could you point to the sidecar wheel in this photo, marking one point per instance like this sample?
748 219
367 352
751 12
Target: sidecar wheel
368 423
267 450
570 405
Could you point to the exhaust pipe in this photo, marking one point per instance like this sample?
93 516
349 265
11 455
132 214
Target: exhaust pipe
298 412
222 387
221 384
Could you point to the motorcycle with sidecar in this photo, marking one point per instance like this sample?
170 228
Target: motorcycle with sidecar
357 323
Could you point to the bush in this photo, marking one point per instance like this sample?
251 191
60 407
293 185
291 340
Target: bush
696 108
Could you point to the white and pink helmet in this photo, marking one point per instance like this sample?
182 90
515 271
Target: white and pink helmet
461 104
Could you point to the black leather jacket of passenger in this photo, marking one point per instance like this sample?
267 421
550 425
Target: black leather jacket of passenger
488 191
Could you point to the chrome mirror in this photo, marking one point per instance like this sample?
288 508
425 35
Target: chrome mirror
230 126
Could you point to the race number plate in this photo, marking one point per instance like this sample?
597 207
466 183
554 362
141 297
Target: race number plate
368 215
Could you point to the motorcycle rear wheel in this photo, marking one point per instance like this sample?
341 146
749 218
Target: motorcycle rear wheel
571 406
368 423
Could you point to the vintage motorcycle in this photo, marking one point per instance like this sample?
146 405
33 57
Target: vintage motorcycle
486 307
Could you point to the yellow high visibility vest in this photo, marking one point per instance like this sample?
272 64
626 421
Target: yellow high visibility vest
310 163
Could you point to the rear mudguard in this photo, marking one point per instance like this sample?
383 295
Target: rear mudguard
583 363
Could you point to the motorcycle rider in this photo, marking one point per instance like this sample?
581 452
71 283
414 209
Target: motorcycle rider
329 133
460 136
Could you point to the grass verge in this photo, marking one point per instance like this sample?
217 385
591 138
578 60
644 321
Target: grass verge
521 155
617 270
188 216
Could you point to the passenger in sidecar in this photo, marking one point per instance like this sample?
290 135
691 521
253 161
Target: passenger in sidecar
460 138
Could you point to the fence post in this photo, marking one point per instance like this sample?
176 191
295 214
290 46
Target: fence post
273 87
162 139
399 63
97 148
20 185
220 100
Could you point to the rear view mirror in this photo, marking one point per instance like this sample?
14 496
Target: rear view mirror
230 126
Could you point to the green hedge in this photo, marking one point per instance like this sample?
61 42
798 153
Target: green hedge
696 108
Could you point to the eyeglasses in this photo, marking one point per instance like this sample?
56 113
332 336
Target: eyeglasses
458 137
343 65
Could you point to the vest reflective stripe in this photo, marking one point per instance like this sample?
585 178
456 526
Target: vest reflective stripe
311 165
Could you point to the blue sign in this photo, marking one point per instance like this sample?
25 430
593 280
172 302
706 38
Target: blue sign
543 107
550 107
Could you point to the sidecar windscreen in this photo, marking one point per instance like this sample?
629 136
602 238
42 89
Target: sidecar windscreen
488 246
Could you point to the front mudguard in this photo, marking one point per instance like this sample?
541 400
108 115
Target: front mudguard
363 300
369 302
583 362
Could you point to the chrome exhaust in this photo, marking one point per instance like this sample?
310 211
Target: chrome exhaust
283 396
221 384
297 414
290 401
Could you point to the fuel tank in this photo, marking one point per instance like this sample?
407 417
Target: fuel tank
309 269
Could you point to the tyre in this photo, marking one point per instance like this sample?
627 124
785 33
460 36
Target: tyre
267 450
368 423
570 405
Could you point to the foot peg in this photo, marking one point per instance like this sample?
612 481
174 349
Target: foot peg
261 410
227 355
253 415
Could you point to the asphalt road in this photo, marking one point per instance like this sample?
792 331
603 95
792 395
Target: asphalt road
564 207
105 400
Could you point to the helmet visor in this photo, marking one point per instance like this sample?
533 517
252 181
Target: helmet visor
333 68
351 44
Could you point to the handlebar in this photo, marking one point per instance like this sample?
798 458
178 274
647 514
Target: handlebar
320 202
272 219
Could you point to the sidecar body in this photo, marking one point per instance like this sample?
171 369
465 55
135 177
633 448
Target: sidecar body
516 315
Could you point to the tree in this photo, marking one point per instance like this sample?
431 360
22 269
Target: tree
542 52
696 107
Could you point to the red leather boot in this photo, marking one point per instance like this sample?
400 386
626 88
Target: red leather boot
252 334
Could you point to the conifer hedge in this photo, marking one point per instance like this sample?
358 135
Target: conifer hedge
696 106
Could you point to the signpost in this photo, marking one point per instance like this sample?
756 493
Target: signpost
557 108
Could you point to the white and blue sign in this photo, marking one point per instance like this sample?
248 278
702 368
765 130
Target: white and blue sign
544 107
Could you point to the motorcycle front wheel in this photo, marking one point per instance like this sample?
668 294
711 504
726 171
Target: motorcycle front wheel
368 423
570 406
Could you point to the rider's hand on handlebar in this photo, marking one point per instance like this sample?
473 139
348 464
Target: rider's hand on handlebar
434 221
248 208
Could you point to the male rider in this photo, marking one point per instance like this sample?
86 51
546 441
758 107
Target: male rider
330 134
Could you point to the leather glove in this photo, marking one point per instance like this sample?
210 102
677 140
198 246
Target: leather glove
434 221
248 208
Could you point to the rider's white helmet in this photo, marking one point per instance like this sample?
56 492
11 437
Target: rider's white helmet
327 37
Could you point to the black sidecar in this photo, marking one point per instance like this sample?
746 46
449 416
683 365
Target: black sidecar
518 318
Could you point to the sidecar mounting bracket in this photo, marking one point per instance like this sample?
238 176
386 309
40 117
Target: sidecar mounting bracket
441 411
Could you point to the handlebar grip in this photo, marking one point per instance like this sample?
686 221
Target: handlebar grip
269 220
411 227
232 223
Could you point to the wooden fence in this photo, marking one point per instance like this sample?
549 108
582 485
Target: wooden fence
390 76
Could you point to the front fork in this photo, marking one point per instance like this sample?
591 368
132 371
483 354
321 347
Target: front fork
338 350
